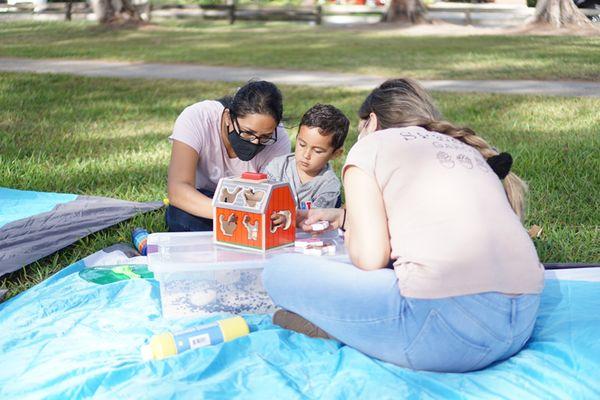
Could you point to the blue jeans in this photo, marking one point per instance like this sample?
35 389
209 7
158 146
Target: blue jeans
364 309
181 221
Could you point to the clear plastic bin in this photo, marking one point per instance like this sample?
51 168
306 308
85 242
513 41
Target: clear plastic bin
199 278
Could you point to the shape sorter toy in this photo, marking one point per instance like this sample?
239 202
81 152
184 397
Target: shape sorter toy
243 208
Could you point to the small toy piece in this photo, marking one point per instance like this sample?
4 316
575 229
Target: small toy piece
245 209
320 226
317 248
304 243
329 249
313 251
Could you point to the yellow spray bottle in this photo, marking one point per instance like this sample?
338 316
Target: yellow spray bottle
168 344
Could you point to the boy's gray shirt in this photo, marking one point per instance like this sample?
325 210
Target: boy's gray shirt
320 192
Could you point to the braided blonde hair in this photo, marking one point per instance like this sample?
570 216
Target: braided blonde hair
403 102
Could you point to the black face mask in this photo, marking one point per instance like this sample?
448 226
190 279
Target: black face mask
245 151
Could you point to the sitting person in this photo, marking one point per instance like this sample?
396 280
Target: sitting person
438 203
320 138
216 139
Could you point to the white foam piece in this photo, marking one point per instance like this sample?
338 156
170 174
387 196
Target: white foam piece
313 251
320 226
303 243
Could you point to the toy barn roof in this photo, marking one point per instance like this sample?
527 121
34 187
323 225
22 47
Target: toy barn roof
242 194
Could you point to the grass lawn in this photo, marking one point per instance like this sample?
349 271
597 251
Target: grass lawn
374 51
108 137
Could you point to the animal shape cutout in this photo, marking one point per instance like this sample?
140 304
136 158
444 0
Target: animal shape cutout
252 228
228 225
252 197
229 197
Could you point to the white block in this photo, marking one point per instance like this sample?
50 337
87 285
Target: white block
313 251
320 226
304 243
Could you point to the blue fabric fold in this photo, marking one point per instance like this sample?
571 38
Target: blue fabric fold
68 338
19 204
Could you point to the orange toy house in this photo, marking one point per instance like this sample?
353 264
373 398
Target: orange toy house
243 208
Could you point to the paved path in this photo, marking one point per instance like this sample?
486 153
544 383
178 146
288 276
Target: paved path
119 69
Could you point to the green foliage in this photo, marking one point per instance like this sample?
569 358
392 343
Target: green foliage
108 137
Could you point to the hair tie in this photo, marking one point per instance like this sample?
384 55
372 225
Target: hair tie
501 164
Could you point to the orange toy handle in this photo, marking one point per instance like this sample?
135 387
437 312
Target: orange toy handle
254 176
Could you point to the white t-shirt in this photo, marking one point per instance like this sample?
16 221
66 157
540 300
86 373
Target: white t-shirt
452 230
199 127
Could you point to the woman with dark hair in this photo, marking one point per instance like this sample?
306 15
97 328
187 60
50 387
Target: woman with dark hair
215 139
440 206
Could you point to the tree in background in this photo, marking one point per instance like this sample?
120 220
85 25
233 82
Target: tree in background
412 11
117 11
560 13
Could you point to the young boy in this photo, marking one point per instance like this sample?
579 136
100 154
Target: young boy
320 138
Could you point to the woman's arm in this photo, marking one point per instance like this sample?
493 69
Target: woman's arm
181 182
367 234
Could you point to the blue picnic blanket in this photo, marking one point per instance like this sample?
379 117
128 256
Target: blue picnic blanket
67 338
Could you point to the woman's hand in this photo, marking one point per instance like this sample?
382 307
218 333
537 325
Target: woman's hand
305 218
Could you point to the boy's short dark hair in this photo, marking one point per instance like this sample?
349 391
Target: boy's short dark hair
329 120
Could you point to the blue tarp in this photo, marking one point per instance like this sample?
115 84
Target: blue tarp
36 224
67 338
19 204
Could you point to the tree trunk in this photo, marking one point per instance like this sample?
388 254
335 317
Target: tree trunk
116 11
560 13
412 11
68 10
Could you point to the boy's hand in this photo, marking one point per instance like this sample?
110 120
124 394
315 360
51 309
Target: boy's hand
332 215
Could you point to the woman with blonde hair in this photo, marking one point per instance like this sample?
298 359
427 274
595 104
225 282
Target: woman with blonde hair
438 204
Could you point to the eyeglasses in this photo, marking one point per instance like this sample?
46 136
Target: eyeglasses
252 137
